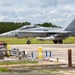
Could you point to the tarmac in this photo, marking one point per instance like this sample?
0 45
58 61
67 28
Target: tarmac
58 51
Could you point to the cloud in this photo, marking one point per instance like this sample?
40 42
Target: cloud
69 8
40 3
58 12
3 18
6 2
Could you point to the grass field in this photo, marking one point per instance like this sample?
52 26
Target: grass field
34 41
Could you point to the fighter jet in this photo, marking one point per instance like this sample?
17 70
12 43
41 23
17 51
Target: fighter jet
57 35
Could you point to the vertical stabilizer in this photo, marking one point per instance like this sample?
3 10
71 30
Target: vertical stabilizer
71 26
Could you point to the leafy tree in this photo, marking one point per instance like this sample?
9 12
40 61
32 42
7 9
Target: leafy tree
47 25
8 26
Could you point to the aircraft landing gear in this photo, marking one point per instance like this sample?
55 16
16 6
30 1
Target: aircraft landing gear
28 42
60 41
57 41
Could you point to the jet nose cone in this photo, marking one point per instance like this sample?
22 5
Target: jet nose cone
3 35
8 34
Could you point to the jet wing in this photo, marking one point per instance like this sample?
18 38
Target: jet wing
54 32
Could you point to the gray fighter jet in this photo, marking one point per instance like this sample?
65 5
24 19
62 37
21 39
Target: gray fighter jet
55 34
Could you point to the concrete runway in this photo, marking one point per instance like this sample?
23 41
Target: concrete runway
58 50
34 47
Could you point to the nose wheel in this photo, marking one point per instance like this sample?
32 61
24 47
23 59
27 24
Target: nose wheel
28 42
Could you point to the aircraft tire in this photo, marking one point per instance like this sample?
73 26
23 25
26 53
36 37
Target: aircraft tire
28 42
60 41
55 41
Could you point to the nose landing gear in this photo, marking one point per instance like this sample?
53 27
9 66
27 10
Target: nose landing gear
28 42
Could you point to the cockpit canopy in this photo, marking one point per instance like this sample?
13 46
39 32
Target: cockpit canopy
27 27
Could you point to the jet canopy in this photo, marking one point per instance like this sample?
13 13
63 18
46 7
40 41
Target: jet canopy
27 27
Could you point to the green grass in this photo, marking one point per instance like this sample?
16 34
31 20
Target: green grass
26 62
4 70
34 41
69 40
53 72
23 41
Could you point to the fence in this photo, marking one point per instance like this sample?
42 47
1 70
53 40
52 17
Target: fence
55 55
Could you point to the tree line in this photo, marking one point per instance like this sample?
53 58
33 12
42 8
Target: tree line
46 24
8 26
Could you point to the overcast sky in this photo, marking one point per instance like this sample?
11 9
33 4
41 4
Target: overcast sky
58 12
